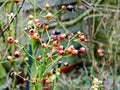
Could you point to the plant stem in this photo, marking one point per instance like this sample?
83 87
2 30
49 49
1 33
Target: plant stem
30 64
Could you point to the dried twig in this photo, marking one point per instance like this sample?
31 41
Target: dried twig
76 20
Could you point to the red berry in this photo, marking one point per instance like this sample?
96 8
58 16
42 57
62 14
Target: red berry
101 54
55 37
61 47
62 36
37 21
16 1
82 38
82 50
10 40
99 51
17 54
55 43
48 56
37 25
39 57
60 52
47 88
44 45
74 52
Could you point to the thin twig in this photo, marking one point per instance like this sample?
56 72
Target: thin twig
76 20
3 4
7 27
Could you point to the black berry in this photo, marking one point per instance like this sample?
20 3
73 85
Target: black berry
57 32
70 8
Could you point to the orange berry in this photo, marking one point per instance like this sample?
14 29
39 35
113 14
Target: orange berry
10 40
47 82
75 52
69 50
39 57
53 50
49 56
36 36
44 45
63 7
31 32
16 1
49 15
45 27
9 58
55 43
30 17
47 6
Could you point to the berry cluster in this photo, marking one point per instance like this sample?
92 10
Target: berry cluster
53 48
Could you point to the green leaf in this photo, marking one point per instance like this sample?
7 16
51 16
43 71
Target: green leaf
2 71
52 77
